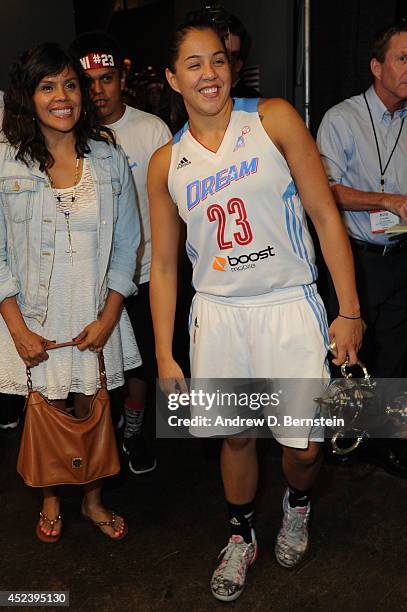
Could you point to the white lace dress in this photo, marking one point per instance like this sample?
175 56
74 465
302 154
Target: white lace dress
71 306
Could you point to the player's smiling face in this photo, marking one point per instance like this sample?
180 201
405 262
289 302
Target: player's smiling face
202 72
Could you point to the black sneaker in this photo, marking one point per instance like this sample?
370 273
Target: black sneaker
141 461
390 455
11 412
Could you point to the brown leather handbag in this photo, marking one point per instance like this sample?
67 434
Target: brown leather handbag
57 448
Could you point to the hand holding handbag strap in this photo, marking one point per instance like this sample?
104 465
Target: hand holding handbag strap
56 345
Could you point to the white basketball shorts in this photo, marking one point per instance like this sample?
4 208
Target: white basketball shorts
282 335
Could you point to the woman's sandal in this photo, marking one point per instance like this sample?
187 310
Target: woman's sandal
49 539
111 523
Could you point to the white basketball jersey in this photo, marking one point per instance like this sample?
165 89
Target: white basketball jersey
246 227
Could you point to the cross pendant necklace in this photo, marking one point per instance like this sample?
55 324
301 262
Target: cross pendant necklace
65 205
70 249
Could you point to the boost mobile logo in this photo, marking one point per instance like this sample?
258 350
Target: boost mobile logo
243 262
219 264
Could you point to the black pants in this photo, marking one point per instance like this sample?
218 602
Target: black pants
138 309
382 289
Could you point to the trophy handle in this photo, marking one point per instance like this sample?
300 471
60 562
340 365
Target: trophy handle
345 374
345 451
362 366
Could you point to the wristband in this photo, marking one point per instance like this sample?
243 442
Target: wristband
351 318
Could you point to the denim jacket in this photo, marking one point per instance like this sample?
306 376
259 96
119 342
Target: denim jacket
28 223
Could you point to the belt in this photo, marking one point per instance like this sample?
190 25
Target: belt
380 249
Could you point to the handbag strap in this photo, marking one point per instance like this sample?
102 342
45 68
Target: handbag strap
101 363
29 381
102 370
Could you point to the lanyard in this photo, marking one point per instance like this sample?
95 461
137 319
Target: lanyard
382 170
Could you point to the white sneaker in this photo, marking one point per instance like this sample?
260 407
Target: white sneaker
10 424
229 578
292 539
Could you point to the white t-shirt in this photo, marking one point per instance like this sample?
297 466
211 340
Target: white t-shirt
140 134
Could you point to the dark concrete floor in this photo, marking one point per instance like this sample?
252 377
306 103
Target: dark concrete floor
177 526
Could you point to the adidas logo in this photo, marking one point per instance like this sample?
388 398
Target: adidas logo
184 162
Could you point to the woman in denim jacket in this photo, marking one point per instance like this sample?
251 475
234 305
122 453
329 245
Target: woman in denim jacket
69 232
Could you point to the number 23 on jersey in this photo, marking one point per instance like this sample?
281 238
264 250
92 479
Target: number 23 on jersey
236 209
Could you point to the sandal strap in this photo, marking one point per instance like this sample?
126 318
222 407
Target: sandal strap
110 523
50 522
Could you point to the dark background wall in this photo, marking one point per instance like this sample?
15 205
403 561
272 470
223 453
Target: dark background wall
25 23
341 32
144 32
92 14
271 25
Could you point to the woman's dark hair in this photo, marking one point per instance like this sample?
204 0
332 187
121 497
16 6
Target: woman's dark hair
197 20
19 123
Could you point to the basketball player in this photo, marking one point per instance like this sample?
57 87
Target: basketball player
240 174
